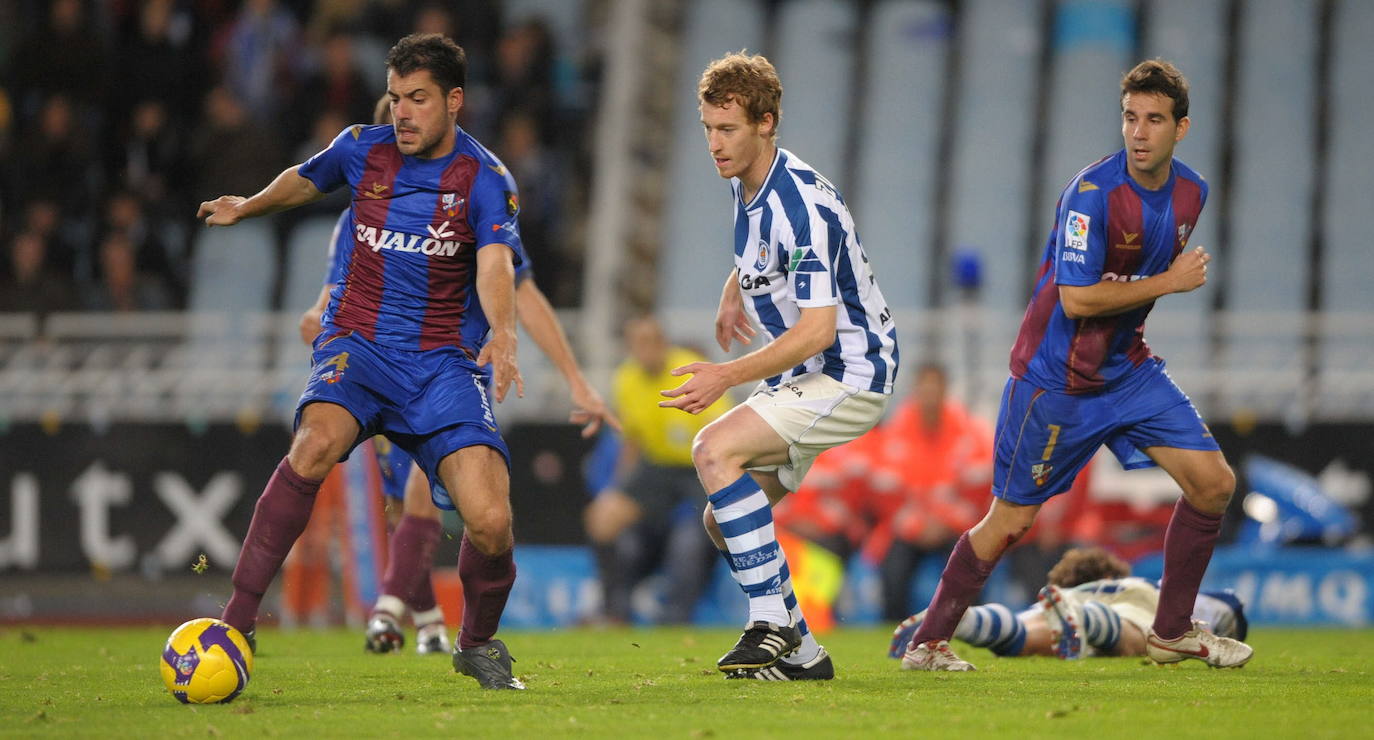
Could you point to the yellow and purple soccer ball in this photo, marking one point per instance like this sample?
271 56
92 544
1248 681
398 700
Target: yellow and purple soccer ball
206 662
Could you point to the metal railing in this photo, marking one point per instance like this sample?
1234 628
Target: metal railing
193 367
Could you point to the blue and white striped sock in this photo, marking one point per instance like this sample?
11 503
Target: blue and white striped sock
746 521
809 647
992 626
1101 626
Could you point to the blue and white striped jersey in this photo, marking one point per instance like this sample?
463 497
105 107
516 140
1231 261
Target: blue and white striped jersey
796 247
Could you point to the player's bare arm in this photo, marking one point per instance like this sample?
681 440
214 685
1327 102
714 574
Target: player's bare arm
496 292
289 190
812 333
310 326
1109 297
731 321
539 319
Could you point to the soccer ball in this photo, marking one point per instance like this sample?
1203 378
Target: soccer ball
206 662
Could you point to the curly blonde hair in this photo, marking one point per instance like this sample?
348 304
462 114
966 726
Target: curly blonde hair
1084 564
749 81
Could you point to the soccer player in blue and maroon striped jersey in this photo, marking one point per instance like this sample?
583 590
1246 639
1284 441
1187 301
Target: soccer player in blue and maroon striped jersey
1082 376
420 320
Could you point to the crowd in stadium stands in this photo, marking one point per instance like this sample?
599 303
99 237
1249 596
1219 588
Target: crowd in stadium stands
118 116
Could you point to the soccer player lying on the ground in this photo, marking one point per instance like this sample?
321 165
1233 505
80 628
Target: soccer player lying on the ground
826 375
1108 614
427 295
1083 377
406 585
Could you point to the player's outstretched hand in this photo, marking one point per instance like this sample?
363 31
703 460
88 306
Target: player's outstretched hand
221 210
499 352
591 411
709 382
1189 271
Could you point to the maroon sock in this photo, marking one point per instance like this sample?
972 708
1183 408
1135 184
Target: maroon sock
487 580
411 555
1188 546
960 584
280 516
422 597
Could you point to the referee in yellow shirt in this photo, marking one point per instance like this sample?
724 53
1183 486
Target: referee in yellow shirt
651 516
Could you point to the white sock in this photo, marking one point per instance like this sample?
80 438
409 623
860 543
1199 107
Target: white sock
746 521
428 617
391 605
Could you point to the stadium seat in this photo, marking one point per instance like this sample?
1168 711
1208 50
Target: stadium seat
1267 266
1345 351
697 233
990 172
233 271
815 57
894 198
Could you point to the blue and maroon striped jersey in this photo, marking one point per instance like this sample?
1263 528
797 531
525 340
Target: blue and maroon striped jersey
1107 227
407 278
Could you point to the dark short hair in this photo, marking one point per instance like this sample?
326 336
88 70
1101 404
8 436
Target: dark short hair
1161 77
446 61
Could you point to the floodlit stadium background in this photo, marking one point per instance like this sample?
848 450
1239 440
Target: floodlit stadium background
149 367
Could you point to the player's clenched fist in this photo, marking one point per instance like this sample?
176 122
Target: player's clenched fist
1189 271
221 211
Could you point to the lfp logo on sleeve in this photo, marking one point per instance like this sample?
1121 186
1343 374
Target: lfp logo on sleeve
1076 231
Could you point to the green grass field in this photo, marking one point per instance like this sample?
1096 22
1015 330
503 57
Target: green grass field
662 683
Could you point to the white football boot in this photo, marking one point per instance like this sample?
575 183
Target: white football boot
934 655
1199 644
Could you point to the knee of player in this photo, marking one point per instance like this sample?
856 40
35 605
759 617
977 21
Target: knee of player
313 453
1217 489
487 522
709 451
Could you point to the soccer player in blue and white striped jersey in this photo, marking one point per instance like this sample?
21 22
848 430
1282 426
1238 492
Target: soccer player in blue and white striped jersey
826 375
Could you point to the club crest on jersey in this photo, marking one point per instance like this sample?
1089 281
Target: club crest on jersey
762 261
450 202
1040 472
1183 231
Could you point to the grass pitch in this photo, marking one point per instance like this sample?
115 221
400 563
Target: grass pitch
662 683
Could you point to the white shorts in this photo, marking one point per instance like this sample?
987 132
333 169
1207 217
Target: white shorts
813 413
1135 600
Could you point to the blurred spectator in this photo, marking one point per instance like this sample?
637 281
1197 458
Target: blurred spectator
148 160
537 174
54 162
160 97
154 63
123 286
64 55
32 284
932 479
336 87
157 281
652 515
524 77
260 58
43 218
231 152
